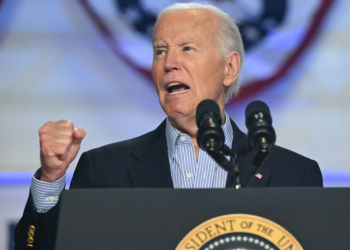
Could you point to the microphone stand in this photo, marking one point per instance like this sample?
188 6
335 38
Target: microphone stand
220 158
237 171
259 159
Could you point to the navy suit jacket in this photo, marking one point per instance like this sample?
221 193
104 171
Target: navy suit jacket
143 162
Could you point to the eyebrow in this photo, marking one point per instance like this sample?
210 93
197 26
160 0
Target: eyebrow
161 45
186 42
158 45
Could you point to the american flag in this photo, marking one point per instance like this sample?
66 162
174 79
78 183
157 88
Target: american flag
258 176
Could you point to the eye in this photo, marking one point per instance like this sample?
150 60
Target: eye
187 48
159 52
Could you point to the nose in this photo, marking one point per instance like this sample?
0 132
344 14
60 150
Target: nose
171 61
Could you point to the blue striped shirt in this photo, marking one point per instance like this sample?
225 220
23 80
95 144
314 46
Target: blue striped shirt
185 171
45 195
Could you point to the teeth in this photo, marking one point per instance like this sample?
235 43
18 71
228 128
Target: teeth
179 92
173 84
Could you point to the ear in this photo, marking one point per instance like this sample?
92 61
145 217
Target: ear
231 68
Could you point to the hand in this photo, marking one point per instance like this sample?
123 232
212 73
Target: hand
59 145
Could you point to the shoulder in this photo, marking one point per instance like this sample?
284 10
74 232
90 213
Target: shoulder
122 146
292 167
130 145
279 153
287 168
108 166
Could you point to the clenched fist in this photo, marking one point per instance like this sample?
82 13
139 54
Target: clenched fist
59 145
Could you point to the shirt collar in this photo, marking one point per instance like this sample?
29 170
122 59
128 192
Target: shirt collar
172 135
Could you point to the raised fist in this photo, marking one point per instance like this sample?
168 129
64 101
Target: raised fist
59 145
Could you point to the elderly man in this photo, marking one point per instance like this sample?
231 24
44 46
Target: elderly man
198 53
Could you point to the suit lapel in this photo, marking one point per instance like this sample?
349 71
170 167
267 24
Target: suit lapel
245 163
152 168
261 179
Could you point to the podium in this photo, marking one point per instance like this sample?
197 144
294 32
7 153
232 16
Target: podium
318 218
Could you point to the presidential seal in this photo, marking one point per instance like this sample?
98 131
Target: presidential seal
239 232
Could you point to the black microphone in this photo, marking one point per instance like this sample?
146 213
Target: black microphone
261 134
208 118
210 136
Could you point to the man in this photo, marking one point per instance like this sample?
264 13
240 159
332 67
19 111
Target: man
198 54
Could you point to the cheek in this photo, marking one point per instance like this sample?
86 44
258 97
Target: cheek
156 77
154 74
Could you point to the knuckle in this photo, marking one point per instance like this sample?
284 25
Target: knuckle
43 130
66 136
66 124
49 123
40 130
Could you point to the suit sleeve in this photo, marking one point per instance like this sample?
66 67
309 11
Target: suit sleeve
45 225
312 175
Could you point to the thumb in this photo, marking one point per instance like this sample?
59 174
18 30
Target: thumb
78 135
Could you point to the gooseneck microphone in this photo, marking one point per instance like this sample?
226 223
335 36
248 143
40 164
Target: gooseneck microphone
208 118
261 135
210 136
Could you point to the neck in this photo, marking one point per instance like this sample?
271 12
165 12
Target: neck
188 125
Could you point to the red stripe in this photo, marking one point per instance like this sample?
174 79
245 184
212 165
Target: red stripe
108 36
255 87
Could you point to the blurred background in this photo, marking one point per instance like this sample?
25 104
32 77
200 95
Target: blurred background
89 61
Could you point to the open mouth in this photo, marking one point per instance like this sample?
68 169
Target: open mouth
175 88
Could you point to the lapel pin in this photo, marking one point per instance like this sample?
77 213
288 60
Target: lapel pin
259 176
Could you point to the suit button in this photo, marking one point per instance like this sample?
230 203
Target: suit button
32 228
30 246
30 233
30 240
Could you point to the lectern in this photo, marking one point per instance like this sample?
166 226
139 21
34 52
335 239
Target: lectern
142 219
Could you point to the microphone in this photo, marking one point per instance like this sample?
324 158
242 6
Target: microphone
261 134
210 136
208 119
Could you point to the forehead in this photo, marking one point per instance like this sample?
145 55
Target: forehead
190 24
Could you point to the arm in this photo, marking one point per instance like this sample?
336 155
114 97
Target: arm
59 145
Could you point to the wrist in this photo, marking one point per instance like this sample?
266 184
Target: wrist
49 177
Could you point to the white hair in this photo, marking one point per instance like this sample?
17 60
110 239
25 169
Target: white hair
229 38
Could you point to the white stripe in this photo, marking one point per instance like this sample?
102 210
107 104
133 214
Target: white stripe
205 173
41 191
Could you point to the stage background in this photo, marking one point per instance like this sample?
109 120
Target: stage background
58 62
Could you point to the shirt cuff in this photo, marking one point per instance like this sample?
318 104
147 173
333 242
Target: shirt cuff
45 195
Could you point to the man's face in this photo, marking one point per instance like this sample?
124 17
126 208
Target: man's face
187 65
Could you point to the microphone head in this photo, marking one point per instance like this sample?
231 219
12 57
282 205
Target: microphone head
256 109
205 108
